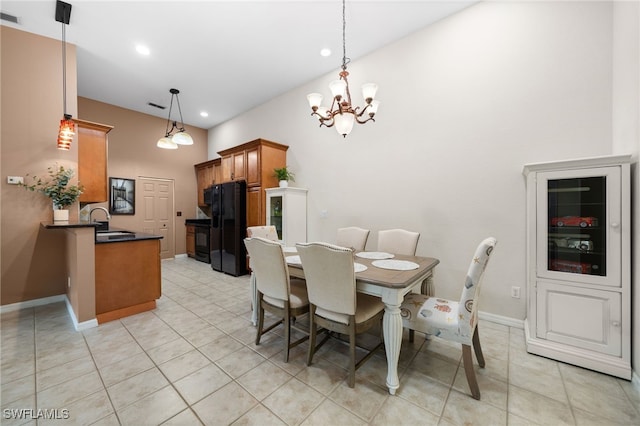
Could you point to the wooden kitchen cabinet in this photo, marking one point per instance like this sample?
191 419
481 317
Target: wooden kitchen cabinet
128 278
579 263
253 162
233 166
206 176
191 241
92 160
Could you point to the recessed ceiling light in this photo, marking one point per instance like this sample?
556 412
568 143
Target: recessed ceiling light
325 52
204 114
143 50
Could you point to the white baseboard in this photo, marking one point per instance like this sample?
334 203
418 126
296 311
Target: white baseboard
79 326
32 303
499 319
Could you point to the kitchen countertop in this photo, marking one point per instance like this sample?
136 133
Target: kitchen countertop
198 222
101 239
134 236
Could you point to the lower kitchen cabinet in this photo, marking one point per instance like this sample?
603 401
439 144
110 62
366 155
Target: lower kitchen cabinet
579 263
191 241
128 278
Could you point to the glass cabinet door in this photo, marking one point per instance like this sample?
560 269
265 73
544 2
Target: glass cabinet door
579 222
275 213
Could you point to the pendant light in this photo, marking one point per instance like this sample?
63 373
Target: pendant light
342 114
67 127
169 141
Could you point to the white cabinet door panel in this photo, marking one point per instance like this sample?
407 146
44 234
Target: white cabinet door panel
585 318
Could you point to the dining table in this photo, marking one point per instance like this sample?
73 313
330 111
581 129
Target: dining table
390 277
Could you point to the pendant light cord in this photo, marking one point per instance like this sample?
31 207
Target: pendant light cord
64 70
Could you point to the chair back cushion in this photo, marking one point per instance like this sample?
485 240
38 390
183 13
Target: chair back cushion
353 237
268 232
269 266
468 306
331 280
448 319
398 241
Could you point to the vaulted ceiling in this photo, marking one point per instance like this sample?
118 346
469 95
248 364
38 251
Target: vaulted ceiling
225 57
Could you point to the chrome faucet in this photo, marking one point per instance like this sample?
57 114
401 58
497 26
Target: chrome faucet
100 208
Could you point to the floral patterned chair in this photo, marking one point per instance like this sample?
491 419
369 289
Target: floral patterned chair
268 232
451 320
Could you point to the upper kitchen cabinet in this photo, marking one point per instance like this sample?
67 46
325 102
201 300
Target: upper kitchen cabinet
206 176
92 160
254 162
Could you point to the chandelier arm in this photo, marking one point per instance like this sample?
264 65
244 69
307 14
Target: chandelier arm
364 121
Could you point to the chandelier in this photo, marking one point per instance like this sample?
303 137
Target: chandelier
342 113
169 140
67 127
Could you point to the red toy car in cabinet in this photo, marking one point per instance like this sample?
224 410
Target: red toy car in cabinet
581 221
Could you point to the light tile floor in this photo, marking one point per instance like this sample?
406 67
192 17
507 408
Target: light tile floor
193 361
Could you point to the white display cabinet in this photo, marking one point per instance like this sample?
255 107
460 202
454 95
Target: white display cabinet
578 263
287 211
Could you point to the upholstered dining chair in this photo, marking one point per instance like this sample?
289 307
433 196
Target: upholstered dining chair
455 321
398 241
270 233
353 237
278 294
334 303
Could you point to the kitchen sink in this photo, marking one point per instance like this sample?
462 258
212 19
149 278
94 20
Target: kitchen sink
121 234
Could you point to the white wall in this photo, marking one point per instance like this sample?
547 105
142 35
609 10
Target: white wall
466 103
626 126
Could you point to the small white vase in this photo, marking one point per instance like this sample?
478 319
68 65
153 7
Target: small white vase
60 215
283 183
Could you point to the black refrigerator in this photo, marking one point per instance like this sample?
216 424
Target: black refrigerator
228 203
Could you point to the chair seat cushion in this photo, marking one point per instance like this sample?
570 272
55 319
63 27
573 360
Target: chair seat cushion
433 315
297 298
367 307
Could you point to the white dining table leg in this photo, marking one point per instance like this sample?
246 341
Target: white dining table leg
253 288
392 331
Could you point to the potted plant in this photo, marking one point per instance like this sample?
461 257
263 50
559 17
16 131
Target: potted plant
284 175
57 187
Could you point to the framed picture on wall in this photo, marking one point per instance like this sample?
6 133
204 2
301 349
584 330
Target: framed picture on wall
122 196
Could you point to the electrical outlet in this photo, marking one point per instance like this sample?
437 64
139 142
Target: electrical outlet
515 292
15 180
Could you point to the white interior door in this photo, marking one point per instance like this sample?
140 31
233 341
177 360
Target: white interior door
157 208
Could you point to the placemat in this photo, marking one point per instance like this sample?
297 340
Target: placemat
397 265
289 249
374 255
359 267
294 259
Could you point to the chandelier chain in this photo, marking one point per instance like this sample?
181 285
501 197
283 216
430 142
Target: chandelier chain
345 60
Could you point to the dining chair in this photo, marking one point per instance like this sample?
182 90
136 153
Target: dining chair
455 321
334 303
269 232
278 294
353 237
398 241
